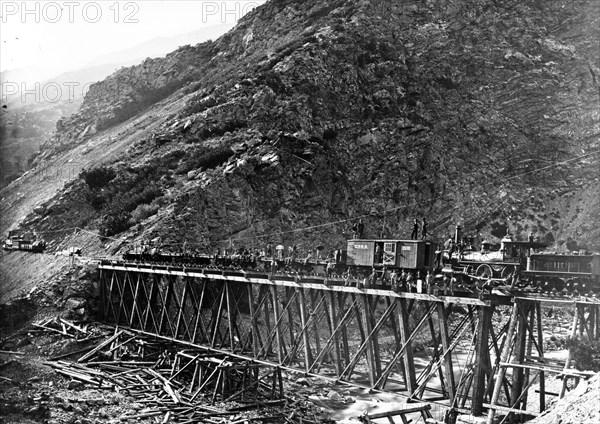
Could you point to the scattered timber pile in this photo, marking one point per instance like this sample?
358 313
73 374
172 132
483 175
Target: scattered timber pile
81 333
178 385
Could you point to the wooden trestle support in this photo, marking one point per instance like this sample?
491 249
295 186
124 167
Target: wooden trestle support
361 337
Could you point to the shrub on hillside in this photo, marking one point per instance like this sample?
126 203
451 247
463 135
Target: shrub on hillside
586 355
144 211
98 177
115 224
206 158
147 195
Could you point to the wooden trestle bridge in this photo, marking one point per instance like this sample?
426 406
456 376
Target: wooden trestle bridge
480 354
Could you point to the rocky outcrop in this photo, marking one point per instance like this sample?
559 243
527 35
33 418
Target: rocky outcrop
478 112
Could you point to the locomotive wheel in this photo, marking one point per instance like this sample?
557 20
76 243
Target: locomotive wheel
570 285
507 271
558 284
485 271
582 286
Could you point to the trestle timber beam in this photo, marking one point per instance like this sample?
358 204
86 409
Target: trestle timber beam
482 360
524 334
344 334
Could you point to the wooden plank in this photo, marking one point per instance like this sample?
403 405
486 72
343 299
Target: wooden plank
573 373
308 359
506 409
405 336
401 411
253 325
530 342
376 325
563 388
368 343
334 334
290 296
100 346
504 358
445 338
518 375
482 359
345 346
317 338
230 316
540 334
277 319
214 325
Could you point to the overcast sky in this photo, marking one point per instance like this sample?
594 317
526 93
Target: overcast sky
62 36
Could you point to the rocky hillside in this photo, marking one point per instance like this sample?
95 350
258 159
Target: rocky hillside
310 114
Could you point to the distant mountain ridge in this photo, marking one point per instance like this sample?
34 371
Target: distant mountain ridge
35 103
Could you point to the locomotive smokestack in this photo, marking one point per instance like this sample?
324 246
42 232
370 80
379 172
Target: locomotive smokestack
458 234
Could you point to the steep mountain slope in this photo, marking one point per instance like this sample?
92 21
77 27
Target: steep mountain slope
309 114
27 120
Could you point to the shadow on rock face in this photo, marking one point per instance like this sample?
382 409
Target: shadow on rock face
16 314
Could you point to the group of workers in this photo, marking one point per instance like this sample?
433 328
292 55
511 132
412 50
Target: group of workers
406 282
358 229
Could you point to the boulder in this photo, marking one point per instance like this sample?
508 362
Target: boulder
74 303
333 395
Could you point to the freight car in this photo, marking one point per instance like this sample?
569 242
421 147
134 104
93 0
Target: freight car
414 255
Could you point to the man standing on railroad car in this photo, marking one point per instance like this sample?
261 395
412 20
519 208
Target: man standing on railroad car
361 228
415 232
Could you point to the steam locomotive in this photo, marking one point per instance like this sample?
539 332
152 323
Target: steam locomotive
522 265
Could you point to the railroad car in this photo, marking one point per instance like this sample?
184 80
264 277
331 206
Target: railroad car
406 254
25 242
515 265
561 273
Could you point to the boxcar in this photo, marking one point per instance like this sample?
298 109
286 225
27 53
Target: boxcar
406 254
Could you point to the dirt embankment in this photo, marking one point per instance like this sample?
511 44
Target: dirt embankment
580 406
